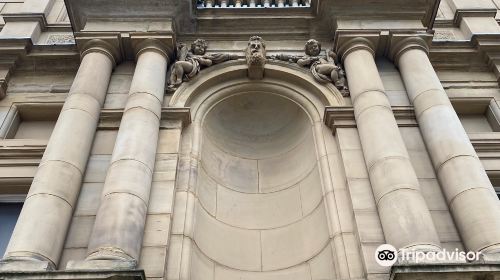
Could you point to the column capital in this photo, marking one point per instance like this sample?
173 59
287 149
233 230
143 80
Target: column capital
400 43
347 43
105 43
163 44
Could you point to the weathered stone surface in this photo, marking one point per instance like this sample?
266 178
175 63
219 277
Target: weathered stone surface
226 177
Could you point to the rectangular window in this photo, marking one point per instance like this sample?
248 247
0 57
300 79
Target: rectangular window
9 212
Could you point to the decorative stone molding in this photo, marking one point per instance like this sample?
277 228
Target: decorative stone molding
400 43
82 275
24 17
488 46
343 117
461 13
110 118
10 52
60 39
163 43
106 43
444 35
122 46
29 149
346 42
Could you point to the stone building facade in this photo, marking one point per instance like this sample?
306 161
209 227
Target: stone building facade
248 139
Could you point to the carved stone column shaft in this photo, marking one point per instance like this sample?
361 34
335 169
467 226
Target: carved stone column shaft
119 227
41 229
469 193
404 215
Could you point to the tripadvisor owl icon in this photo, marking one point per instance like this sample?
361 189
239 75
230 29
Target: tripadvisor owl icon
386 255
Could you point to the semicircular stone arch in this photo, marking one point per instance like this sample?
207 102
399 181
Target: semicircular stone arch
256 180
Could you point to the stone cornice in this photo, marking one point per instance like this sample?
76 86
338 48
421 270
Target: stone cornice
82 275
343 117
27 17
110 118
21 149
488 46
461 13
487 144
11 50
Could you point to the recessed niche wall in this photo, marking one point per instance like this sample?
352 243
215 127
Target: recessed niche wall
260 211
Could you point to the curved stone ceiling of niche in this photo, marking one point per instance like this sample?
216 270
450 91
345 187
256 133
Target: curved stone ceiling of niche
260 200
256 125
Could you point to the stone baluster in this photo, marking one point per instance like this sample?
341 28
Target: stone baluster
404 215
116 238
466 186
41 229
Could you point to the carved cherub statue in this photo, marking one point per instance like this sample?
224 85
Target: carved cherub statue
190 62
325 69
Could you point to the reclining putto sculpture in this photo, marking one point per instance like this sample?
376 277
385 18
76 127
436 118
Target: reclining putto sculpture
190 62
325 69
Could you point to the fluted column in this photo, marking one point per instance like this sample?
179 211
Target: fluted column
38 237
468 191
116 238
404 215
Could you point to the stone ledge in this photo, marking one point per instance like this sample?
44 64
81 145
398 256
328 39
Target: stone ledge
469 271
77 275
343 117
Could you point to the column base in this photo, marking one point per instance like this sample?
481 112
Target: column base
445 271
25 264
93 265
75 275
490 254
490 258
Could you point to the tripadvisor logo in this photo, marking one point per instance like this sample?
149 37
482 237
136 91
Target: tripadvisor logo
387 255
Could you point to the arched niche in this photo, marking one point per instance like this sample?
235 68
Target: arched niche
255 177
